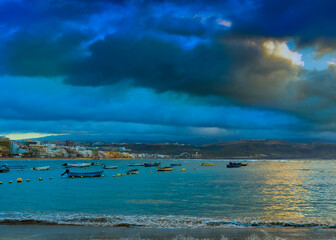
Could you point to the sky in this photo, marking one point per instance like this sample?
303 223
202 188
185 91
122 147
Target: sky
195 71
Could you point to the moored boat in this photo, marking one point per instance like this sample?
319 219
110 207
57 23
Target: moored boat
233 165
110 167
77 165
152 164
164 169
175 164
84 174
135 164
207 164
4 169
133 171
96 164
45 168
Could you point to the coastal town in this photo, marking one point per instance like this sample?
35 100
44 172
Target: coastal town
68 149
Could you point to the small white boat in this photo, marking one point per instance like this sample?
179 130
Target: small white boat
41 168
77 165
110 167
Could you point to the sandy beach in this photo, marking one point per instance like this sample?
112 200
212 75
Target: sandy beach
62 232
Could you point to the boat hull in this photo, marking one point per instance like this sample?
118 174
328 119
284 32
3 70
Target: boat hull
110 167
88 174
41 168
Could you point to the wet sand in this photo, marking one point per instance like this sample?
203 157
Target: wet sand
61 232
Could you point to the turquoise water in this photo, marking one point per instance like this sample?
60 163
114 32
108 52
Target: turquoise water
293 193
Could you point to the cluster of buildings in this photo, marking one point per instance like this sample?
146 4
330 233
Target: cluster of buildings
38 149
68 149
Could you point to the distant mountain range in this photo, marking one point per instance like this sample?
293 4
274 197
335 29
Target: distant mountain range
266 149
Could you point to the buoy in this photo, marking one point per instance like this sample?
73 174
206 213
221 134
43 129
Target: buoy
19 180
40 179
50 178
194 169
63 177
81 176
103 176
50 168
151 171
73 176
18 170
113 176
176 170
28 180
0 182
32 169
125 174
137 173
10 181
183 170
118 175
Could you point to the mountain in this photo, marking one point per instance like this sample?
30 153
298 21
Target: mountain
269 149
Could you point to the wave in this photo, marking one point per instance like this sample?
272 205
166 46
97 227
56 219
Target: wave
154 221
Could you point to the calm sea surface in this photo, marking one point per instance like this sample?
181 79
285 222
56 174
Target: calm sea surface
294 193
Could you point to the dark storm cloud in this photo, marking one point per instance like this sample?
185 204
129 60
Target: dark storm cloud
147 43
309 23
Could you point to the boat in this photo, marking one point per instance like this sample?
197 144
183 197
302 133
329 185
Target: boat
96 164
175 164
77 165
133 171
15 166
164 169
4 169
45 168
151 164
207 164
86 174
233 165
110 167
135 164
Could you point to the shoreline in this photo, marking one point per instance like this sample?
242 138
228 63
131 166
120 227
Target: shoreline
158 159
59 232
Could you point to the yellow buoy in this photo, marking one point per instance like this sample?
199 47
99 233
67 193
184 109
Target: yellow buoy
103 176
50 178
113 176
10 181
81 176
63 177
73 176
176 170
19 180
151 171
40 179
183 170
50 168
32 169
118 175
0 182
137 173
28 180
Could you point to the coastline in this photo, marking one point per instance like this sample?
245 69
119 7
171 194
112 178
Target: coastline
60 232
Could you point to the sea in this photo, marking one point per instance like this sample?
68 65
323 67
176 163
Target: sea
265 194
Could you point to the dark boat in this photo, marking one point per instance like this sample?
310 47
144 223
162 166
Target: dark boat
233 165
175 164
96 164
110 167
151 164
86 174
133 171
4 169
136 164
